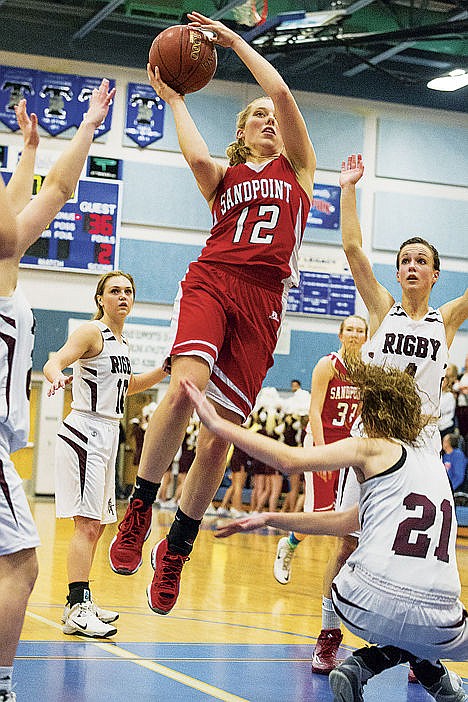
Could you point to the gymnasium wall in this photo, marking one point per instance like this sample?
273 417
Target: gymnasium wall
415 184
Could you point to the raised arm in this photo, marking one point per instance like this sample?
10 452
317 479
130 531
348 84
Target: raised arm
296 139
86 341
454 313
63 176
376 298
287 459
8 235
207 171
19 187
321 376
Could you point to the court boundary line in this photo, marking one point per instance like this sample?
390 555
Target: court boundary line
119 652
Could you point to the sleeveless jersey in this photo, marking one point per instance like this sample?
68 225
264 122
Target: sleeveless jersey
400 342
408 526
340 404
259 216
100 383
17 326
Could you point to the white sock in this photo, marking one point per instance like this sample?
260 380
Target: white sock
6 674
330 619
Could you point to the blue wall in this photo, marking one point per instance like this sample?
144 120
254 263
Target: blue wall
451 284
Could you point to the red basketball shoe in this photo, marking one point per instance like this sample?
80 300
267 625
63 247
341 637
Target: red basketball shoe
126 547
324 659
163 590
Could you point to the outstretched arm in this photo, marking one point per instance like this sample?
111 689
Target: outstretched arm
143 381
207 170
320 523
63 176
454 313
296 139
86 341
376 298
19 187
8 232
287 459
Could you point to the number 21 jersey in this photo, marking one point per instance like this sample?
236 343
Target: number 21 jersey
408 528
100 383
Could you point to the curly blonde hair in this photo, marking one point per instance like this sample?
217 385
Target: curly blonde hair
390 401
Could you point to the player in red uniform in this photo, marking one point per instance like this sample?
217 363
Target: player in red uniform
333 409
228 312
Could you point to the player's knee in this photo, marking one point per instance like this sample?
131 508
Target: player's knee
89 529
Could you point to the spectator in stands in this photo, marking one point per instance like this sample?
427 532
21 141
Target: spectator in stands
448 402
454 460
461 388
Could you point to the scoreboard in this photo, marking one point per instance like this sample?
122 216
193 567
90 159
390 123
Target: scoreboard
85 234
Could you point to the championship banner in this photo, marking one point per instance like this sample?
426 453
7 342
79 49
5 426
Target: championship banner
58 99
325 288
325 210
85 234
145 114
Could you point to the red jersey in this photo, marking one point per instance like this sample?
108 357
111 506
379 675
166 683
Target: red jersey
259 216
340 405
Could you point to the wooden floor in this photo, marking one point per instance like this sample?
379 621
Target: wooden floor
235 633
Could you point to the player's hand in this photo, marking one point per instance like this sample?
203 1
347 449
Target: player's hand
61 381
245 524
27 124
222 35
203 406
352 170
99 103
162 89
324 475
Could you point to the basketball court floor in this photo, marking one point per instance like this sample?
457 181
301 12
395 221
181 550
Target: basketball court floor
234 635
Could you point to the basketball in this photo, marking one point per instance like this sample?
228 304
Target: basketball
186 58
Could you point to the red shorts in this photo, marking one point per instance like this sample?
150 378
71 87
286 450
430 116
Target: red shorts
231 321
320 491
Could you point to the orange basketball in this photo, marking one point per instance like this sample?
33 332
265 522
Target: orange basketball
186 58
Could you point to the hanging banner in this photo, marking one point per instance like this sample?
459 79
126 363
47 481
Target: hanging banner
59 100
145 114
15 84
54 102
325 210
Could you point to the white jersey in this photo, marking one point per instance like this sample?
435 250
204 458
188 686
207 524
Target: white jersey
408 527
17 326
417 345
100 383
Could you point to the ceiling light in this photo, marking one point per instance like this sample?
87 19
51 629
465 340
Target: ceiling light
453 81
311 20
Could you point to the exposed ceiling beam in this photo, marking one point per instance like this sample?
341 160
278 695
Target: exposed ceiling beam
97 19
378 58
223 10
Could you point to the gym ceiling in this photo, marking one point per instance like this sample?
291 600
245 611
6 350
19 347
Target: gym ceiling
373 49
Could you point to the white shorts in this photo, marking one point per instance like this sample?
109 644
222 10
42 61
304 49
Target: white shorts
17 528
428 625
85 467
